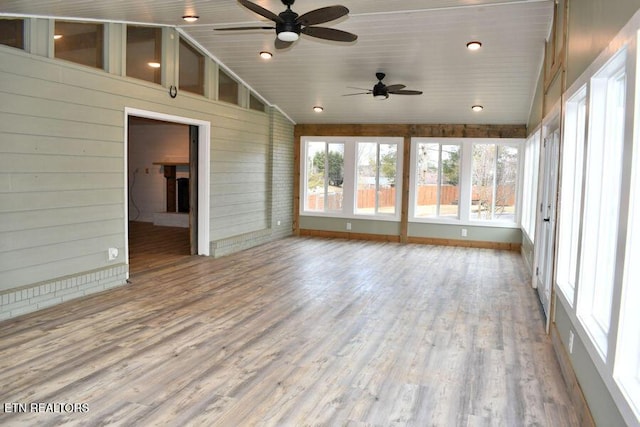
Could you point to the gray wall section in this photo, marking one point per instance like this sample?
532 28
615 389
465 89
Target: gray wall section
592 25
601 404
62 175
474 232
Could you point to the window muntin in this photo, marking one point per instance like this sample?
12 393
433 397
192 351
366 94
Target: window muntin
324 177
530 185
437 180
377 174
12 33
227 88
571 193
494 179
80 42
601 201
191 69
144 47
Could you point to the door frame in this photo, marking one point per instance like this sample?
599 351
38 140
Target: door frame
204 154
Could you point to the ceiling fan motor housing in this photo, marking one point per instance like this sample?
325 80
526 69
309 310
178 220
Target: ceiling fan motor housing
380 91
288 23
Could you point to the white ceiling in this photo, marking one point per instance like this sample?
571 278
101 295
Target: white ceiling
419 43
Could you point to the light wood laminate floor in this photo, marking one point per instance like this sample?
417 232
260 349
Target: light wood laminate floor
298 332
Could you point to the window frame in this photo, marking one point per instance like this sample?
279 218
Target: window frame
596 245
464 216
530 173
350 181
571 193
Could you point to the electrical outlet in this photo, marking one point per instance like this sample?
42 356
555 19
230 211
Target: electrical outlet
570 342
278 222
348 226
113 253
463 232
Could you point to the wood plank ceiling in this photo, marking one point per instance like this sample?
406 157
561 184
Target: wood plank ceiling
419 43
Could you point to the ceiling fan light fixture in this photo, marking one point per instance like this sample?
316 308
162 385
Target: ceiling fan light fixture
474 45
318 109
266 55
477 108
380 96
190 18
288 36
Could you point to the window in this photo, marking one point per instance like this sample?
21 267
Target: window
376 178
627 364
191 69
436 180
82 43
227 88
351 177
255 103
324 177
12 33
464 180
494 175
571 193
530 185
144 53
601 200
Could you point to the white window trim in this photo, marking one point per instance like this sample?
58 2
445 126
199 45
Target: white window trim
350 181
628 37
466 161
569 209
593 273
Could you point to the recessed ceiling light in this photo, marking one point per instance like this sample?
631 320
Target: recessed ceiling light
474 45
154 64
265 55
190 18
57 36
477 108
318 109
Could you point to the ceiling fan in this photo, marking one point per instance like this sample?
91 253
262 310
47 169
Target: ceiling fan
382 91
289 25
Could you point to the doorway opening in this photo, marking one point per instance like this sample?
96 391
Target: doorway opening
166 176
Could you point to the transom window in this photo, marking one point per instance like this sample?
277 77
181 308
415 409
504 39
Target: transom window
191 69
12 33
144 53
80 42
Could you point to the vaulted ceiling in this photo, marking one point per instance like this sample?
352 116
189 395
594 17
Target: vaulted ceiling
418 43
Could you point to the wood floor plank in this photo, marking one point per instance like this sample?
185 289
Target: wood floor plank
303 331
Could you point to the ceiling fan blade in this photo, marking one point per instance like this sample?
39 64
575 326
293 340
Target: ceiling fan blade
393 88
280 44
244 28
359 93
358 88
260 10
406 92
322 15
329 34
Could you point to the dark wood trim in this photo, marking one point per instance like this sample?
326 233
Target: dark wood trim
481 244
404 206
515 247
412 130
575 392
349 236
